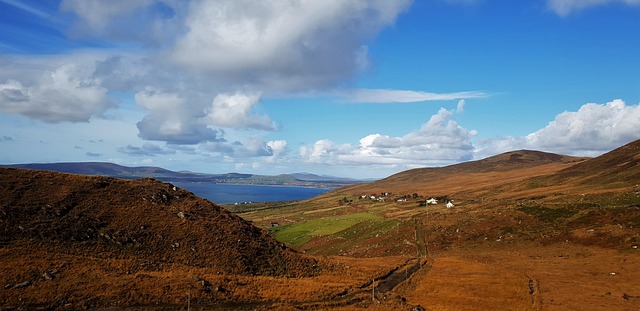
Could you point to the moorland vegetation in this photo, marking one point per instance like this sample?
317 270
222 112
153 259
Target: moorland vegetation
527 231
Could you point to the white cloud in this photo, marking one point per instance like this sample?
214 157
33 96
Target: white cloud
57 92
404 96
593 128
282 45
274 45
278 148
171 119
251 147
217 47
460 106
439 141
255 147
325 151
566 7
234 111
590 131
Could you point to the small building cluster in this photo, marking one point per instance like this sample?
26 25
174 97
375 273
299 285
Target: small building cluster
434 201
373 197
406 198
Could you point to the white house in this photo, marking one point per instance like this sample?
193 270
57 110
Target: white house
450 204
432 201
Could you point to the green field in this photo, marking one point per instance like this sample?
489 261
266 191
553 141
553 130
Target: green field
300 233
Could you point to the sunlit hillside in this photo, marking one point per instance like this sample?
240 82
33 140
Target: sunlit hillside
523 230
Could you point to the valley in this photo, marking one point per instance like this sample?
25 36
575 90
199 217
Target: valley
526 231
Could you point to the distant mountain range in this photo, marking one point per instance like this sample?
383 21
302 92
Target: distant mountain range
119 171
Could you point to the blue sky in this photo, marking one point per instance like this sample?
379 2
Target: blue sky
347 88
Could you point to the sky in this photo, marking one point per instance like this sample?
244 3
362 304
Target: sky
349 88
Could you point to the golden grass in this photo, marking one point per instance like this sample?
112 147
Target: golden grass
81 282
565 276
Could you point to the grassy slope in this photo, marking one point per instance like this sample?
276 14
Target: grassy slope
551 221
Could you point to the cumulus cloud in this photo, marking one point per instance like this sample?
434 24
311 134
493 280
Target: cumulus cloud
590 131
404 96
251 147
147 150
277 147
282 44
218 47
275 45
439 141
61 91
325 151
171 119
566 7
593 128
125 73
234 111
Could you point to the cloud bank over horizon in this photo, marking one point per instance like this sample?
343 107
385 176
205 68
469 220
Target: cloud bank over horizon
442 141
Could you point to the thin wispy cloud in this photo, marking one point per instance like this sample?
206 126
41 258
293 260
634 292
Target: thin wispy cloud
405 96
566 7
22 6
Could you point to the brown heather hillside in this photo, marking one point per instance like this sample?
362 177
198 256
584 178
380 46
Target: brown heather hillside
529 230
442 181
146 220
621 165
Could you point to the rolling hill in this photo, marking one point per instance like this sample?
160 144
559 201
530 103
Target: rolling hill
103 169
71 242
440 181
621 165
528 231
142 220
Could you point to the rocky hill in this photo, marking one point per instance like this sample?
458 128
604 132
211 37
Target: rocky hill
147 221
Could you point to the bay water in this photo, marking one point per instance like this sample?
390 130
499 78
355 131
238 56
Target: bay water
240 193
